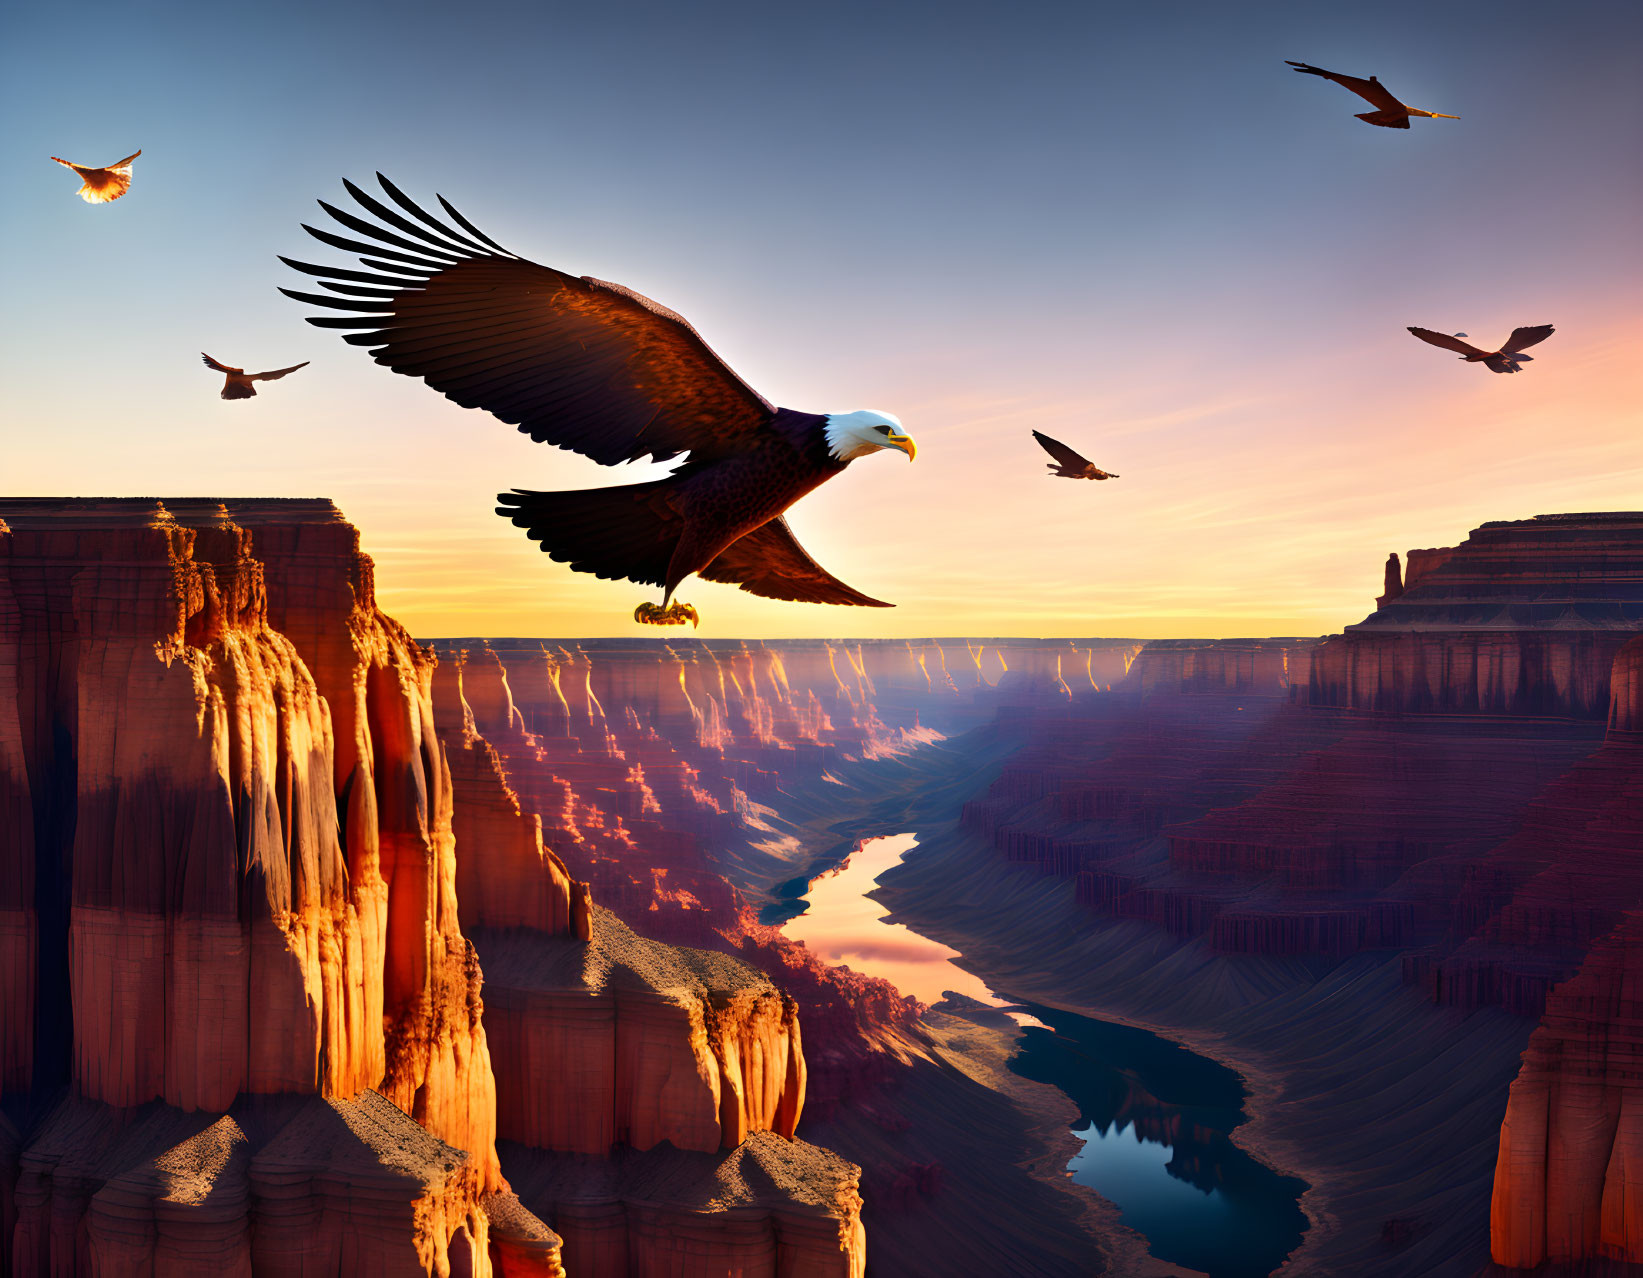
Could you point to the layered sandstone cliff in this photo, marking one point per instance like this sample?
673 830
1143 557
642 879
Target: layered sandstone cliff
636 775
1523 617
646 1042
1569 1176
237 879
617 1055
240 859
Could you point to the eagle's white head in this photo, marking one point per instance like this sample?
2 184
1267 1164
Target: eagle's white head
853 435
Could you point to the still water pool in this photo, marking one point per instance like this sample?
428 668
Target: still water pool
1154 1117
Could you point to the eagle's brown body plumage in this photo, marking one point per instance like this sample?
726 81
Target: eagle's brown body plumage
595 367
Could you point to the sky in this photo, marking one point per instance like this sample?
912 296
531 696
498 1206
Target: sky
1130 227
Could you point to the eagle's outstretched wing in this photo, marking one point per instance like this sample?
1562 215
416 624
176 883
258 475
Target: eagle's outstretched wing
1522 337
1444 340
278 373
1056 449
581 363
1371 91
769 561
221 368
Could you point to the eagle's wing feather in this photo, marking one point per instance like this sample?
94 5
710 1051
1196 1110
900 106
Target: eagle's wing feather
1371 91
278 373
1056 449
769 561
221 368
577 362
1444 340
1522 337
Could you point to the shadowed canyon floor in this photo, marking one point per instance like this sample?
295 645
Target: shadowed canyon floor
1153 1118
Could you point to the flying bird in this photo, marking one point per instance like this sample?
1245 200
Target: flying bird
1505 360
100 186
592 366
1389 113
1067 463
238 383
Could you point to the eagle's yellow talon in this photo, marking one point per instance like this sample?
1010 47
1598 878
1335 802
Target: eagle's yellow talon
675 614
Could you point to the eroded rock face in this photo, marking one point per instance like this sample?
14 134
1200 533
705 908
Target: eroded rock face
643 1042
1569 1177
779 1209
637 813
618 1055
231 871
1523 617
238 851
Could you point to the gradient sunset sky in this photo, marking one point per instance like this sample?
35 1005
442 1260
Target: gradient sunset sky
1133 228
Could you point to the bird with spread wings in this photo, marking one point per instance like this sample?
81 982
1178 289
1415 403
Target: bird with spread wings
594 367
1505 360
101 186
237 384
1389 113
1067 463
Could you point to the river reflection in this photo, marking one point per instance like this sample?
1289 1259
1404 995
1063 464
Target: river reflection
1155 1120
842 924
1154 1117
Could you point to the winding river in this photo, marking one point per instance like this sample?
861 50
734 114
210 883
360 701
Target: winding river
1154 1118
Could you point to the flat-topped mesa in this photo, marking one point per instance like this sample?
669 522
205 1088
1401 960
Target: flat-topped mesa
1524 617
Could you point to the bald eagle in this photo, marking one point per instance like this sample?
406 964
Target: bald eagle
1067 463
1506 360
597 368
1389 113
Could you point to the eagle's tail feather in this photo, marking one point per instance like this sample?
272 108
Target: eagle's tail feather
238 390
627 532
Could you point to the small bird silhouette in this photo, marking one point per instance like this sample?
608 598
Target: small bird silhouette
238 385
1390 113
1505 360
100 186
1068 464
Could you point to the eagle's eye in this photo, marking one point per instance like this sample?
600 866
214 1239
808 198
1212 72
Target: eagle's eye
884 430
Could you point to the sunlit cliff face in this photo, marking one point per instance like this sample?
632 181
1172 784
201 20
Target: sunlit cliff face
853 435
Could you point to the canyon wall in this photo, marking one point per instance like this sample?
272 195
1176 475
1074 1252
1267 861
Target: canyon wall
237 879
1453 783
660 769
1524 617
246 848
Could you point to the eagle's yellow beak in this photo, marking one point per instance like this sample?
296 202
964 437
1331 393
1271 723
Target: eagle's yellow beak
905 443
